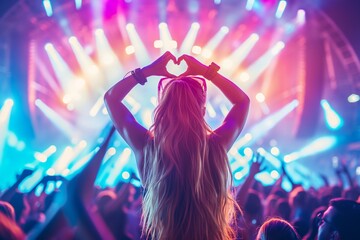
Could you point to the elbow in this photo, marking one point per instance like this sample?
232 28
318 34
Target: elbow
107 98
245 102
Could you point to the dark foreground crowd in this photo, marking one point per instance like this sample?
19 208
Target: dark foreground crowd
78 210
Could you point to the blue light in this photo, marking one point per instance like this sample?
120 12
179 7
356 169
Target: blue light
78 4
48 8
249 4
281 8
333 120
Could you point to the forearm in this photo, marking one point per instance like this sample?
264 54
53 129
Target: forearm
243 191
230 89
120 89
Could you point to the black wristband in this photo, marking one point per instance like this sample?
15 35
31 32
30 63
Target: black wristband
139 76
211 71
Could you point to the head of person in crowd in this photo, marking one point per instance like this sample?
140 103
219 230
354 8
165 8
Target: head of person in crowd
277 229
340 221
313 230
283 209
7 209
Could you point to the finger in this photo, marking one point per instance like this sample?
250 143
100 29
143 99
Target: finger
169 56
184 57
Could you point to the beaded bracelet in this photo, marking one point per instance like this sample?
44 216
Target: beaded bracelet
211 71
139 76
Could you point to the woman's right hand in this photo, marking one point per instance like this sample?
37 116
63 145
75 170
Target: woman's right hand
158 67
195 67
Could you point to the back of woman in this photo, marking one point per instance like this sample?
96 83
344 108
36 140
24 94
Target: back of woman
186 170
183 164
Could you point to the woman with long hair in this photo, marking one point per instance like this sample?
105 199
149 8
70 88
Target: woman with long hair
183 164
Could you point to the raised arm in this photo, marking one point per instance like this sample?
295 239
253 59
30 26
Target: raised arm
132 132
9 193
235 119
256 167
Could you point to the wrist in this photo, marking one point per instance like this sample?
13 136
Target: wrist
211 71
147 71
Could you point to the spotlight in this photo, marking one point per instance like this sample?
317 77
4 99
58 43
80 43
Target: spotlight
130 50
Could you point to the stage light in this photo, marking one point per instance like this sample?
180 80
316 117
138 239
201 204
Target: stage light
77 165
146 118
173 44
64 160
264 126
260 97
280 9
107 58
132 104
12 139
353 98
244 77
300 17
109 153
277 48
239 175
224 29
249 4
270 158
214 42
265 178
125 175
65 75
318 145
5 113
261 64
275 151
217 2
97 106
274 174
231 63
58 121
248 152
206 53
48 8
119 164
78 4
333 120
165 37
51 172
66 99
130 50
141 52
358 171
242 141
210 110
65 172
88 67
40 157
196 50
158 44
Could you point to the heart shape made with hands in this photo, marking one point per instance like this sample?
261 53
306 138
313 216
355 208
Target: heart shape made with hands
176 68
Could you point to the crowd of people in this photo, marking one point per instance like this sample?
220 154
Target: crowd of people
186 184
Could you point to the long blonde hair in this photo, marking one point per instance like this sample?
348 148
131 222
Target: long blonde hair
186 173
